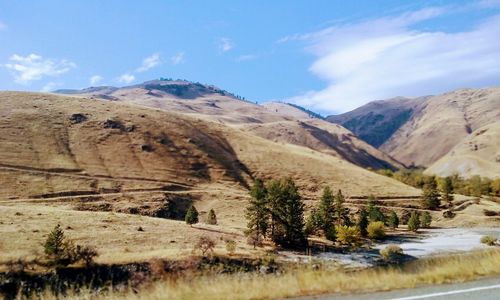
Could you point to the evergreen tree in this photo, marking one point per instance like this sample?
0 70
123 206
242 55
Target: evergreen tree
326 212
287 213
447 191
393 220
191 215
362 222
414 221
257 212
341 212
55 243
211 218
313 223
430 195
374 213
425 219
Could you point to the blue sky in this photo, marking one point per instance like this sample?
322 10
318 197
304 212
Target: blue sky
330 56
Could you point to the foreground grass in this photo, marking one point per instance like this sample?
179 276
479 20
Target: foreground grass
460 267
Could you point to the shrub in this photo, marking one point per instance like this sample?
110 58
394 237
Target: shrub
391 253
490 213
448 214
425 220
414 221
86 254
489 240
204 245
393 220
191 215
211 218
348 235
376 230
230 246
61 251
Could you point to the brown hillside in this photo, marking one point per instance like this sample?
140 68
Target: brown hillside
327 138
441 122
101 144
477 154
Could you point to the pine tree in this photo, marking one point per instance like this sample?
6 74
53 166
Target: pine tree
393 220
257 212
191 215
54 245
374 213
287 213
430 195
425 219
326 213
341 212
362 222
211 218
414 221
447 191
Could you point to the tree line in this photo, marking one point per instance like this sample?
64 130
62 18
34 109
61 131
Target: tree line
276 212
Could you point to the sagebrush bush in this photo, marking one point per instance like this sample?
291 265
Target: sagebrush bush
376 230
391 252
489 240
230 246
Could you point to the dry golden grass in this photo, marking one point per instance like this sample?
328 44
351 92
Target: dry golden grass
308 282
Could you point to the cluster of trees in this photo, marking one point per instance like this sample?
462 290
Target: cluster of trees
474 186
276 211
192 216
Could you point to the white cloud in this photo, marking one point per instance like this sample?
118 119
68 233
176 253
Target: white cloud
386 57
489 3
35 67
177 58
126 78
94 80
246 57
50 86
149 62
225 44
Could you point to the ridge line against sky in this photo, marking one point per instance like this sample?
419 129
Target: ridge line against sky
330 57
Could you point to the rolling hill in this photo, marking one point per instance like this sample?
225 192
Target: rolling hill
213 104
420 131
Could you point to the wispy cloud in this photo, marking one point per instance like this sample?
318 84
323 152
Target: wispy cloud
225 44
246 57
96 79
50 86
387 57
126 78
149 63
489 3
178 58
34 67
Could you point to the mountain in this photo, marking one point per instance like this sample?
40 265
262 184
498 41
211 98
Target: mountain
422 130
54 145
377 121
477 154
213 104
322 136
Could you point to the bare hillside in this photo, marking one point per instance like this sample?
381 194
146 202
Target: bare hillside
420 131
213 104
327 138
50 144
477 154
441 123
